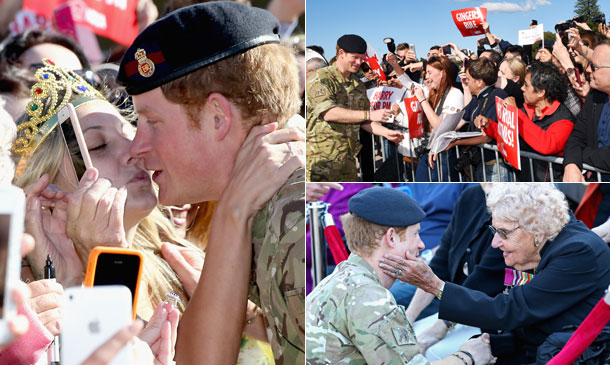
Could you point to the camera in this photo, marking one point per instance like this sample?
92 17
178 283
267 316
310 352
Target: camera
600 18
390 43
421 149
562 27
469 157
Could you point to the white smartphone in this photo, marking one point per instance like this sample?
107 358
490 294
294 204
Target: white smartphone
12 207
91 315
75 144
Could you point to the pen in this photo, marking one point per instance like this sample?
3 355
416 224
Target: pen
53 350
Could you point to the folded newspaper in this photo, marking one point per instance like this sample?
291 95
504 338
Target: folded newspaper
445 133
440 143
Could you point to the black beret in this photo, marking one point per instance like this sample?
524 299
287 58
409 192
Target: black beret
352 43
193 37
386 207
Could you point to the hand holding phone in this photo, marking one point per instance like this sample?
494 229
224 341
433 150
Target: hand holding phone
12 207
92 316
115 266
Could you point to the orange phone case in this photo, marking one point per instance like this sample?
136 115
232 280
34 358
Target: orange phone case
92 265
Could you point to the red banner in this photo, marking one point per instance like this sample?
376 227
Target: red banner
370 57
114 19
414 114
508 133
469 20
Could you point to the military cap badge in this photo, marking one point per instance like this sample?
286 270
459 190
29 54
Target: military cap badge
146 67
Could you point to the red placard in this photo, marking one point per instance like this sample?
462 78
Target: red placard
416 123
370 57
508 133
469 20
115 19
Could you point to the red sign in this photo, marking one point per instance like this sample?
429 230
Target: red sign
115 19
414 114
508 133
469 20
370 57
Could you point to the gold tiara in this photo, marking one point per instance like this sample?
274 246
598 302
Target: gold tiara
51 79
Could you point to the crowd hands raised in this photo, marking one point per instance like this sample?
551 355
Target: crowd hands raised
559 105
116 204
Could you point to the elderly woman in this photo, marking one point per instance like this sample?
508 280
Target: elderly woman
562 268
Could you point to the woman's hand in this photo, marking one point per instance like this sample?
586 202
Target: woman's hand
160 333
186 262
263 164
46 220
95 213
481 122
480 349
45 301
431 336
431 159
107 351
412 270
419 93
315 191
509 101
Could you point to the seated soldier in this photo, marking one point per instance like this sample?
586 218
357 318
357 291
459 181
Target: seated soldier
351 316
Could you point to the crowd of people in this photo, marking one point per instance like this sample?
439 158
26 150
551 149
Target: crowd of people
561 93
197 158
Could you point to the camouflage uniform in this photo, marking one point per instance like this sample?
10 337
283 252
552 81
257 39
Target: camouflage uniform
332 147
352 319
277 283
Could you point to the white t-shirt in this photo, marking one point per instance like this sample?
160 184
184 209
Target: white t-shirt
454 102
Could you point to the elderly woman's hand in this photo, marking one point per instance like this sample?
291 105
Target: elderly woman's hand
45 301
412 270
480 349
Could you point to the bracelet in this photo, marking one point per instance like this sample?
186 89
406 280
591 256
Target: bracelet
439 294
366 115
423 100
467 354
461 358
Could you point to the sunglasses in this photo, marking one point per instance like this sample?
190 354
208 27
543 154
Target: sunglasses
502 233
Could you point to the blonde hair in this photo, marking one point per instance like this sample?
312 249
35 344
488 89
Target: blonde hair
200 224
538 207
517 67
150 233
363 236
262 82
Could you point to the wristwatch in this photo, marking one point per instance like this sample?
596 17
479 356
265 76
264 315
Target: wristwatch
439 295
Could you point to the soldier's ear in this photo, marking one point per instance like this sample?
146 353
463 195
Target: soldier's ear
389 237
219 109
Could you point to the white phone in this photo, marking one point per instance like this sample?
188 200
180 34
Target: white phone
91 316
12 208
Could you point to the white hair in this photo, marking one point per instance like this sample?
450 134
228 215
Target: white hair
540 208
8 131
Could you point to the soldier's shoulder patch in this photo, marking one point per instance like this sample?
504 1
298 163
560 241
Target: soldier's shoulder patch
320 92
403 336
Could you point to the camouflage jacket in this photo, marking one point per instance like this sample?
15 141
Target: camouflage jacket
352 319
278 269
329 141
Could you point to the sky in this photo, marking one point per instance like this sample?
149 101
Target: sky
426 23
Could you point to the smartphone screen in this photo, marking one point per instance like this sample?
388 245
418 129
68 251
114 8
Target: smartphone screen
76 156
117 269
5 228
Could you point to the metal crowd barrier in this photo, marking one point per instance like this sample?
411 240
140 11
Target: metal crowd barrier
319 218
553 162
